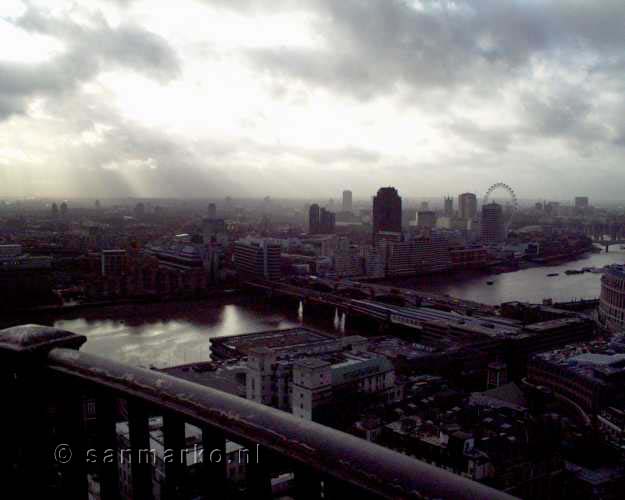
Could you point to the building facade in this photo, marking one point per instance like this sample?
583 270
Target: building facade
493 228
257 258
387 207
347 201
611 313
467 206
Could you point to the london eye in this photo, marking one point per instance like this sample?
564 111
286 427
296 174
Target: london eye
509 196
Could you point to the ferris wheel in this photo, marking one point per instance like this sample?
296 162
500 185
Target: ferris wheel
513 203
500 186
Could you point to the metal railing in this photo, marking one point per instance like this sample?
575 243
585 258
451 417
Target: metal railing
46 380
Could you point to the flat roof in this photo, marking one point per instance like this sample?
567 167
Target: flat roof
272 339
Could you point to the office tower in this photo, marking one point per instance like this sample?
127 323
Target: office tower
64 209
493 229
581 202
327 222
257 258
467 206
386 211
347 201
426 219
313 219
449 206
55 210
424 206
212 211
97 204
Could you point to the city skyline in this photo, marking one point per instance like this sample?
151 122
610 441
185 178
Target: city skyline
307 97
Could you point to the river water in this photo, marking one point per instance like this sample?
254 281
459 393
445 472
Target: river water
167 334
530 285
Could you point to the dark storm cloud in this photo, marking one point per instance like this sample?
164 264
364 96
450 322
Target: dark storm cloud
373 45
568 114
89 49
435 50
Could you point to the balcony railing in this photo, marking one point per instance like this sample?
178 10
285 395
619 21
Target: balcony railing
46 379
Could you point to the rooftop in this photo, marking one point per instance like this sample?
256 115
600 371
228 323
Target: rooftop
272 339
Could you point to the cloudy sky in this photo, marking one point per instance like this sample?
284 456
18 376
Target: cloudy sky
308 97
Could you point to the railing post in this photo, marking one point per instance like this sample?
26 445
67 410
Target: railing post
307 483
106 442
175 456
141 454
71 433
214 463
23 358
259 475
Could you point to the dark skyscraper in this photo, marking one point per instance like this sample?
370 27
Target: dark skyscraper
467 206
449 206
493 229
313 218
320 220
327 222
386 211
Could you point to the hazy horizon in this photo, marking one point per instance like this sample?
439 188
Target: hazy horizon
301 99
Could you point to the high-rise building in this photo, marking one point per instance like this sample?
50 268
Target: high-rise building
347 201
386 211
426 219
467 206
64 209
320 220
327 222
212 211
493 229
449 206
313 218
257 258
582 202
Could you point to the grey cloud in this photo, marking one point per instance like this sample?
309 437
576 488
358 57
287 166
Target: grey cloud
495 139
374 45
568 114
89 49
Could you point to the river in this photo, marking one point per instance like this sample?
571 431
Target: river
530 285
167 334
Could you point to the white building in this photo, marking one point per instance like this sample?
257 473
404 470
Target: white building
259 258
300 380
317 380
